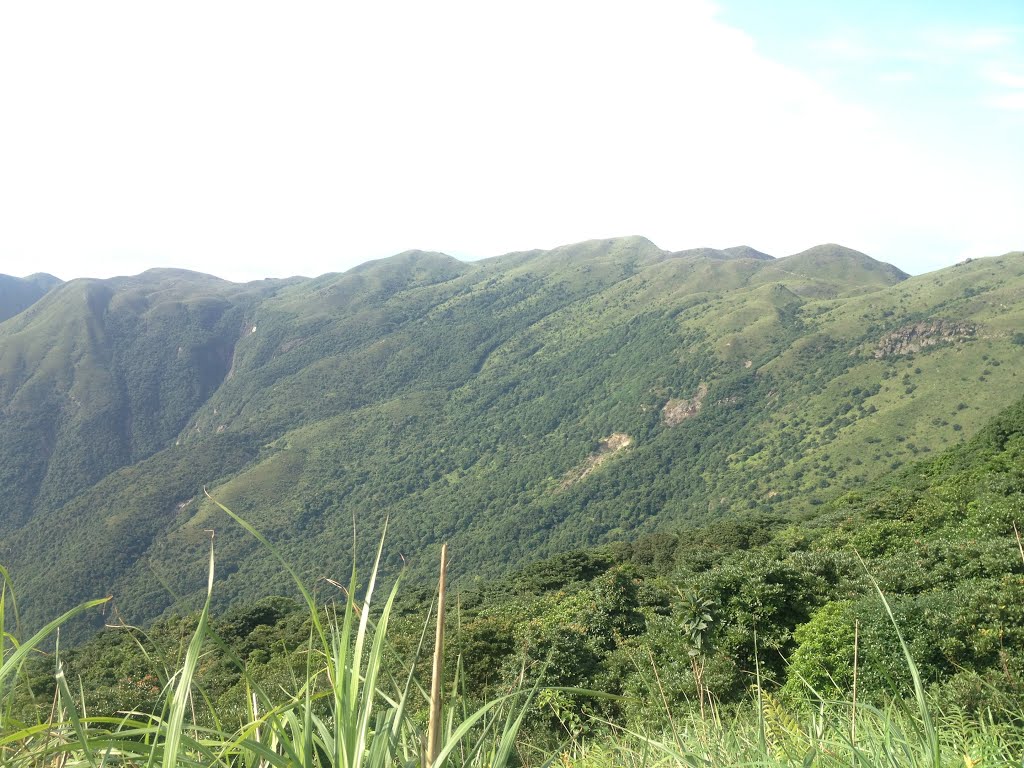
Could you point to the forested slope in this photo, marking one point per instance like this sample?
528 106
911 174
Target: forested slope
100 374
518 407
680 614
19 293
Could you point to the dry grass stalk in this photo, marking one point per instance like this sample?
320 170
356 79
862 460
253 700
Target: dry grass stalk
853 709
434 727
1019 545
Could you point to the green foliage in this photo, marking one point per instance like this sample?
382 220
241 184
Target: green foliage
348 708
671 624
469 402
822 664
671 618
463 401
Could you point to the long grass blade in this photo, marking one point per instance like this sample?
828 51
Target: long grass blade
931 736
180 699
306 595
14 661
68 705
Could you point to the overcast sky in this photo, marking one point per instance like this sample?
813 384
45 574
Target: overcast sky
256 139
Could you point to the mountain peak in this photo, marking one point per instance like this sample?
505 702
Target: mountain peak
423 265
609 246
422 258
746 252
724 254
164 273
19 293
613 252
834 250
838 261
43 280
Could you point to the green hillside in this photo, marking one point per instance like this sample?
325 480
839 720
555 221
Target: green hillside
100 374
19 293
939 535
518 407
625 618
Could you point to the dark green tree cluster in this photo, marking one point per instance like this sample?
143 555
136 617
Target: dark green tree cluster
699 615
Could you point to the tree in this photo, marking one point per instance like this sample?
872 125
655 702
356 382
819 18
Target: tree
696 622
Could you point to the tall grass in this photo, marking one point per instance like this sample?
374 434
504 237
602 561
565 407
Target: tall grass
339 716
820 737
352 709
19 737
906 733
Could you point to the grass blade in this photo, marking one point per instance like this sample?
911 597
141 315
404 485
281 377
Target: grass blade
180 699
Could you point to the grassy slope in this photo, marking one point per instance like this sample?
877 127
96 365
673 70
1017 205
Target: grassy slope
101 374
455 399
605 617
481 463
19 293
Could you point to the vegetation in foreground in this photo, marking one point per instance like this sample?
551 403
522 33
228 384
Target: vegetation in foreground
773 646
353 706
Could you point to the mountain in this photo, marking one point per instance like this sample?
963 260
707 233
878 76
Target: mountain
518 407
844 265
789 598
100 374
746 252
19 293
738 252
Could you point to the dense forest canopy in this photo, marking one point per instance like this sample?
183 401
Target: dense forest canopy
697 611
519 407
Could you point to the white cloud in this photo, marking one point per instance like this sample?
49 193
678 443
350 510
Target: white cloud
1004 77
251 139
972 40
1011 102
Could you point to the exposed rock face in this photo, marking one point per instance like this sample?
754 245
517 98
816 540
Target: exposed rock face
606 448
677 411
914 338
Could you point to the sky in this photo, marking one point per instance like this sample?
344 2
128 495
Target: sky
266 139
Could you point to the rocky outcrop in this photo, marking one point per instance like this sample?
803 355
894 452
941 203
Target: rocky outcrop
677 411
914 338
606 448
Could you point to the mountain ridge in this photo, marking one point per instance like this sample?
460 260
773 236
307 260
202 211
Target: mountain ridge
599 247
454 398
19 293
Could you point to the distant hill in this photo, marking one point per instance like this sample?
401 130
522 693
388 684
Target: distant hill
738 252
844 265
746 252
19 293
518 406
